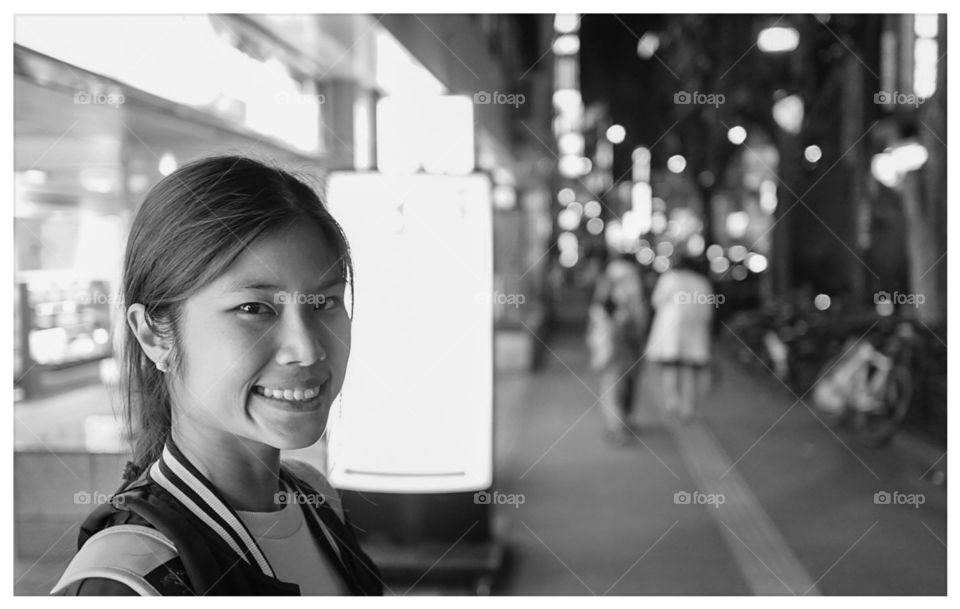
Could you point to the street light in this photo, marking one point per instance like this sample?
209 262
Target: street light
890 166
737 135
573 166
568 44
812 153
571 144
778 39
616 134
925 52
788 113
167 164
648 45
676 163
566 23
567 101
737 224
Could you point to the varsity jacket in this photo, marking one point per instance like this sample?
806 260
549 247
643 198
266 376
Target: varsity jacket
170 532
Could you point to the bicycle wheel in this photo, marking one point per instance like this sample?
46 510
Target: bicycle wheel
876 428
833 418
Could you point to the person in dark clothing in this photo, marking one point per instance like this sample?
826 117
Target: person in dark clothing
617 327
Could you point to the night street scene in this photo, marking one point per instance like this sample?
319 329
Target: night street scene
532 304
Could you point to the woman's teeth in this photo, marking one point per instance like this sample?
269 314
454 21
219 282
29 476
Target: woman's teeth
290 395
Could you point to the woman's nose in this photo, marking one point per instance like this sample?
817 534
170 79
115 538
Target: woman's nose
299 343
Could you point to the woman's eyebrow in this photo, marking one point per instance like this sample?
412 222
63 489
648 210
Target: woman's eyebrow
239 286
253 284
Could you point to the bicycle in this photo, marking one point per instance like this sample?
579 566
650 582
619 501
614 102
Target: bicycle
869 388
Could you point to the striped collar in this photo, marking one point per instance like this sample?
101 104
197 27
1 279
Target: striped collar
174 472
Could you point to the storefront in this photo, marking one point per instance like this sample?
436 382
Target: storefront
91 137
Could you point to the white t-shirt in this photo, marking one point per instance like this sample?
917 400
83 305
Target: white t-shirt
285 538
684 304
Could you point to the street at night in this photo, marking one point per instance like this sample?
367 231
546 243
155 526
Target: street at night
562 304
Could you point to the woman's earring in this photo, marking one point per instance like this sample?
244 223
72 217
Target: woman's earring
162 365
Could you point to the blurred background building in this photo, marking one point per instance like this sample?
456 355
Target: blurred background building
95 128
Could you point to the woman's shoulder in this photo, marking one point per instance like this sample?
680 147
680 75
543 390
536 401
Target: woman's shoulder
95 586
124 560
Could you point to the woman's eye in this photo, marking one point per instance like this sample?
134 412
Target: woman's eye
254 308
326 303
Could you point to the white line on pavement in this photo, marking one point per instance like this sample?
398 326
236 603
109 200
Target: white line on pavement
763 556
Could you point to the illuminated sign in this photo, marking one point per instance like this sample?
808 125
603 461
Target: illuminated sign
416 413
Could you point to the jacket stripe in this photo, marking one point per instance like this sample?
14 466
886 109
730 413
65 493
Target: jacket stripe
160 479
211 501
202 503
178 479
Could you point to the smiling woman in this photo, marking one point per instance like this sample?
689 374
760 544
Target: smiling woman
236 347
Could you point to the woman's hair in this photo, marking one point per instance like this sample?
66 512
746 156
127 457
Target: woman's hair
191 226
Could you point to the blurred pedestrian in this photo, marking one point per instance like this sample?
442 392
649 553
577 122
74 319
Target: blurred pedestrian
684 303
617 326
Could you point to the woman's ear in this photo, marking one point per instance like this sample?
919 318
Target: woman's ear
155 347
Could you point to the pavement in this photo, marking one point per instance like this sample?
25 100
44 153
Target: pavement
61 422
755 496
800 512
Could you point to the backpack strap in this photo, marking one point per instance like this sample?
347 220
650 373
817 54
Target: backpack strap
134 555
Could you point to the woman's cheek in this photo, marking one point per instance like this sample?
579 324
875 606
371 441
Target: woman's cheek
345 343
225 350
339 344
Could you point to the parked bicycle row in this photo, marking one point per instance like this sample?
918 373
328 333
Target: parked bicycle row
860 369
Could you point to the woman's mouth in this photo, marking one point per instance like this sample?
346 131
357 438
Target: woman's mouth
298 398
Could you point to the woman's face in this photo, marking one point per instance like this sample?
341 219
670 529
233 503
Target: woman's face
265 345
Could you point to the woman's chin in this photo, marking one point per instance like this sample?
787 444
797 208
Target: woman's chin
291 435
290 427
293 440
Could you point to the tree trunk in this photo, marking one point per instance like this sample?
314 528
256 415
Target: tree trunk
852 147
924 251
926 207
